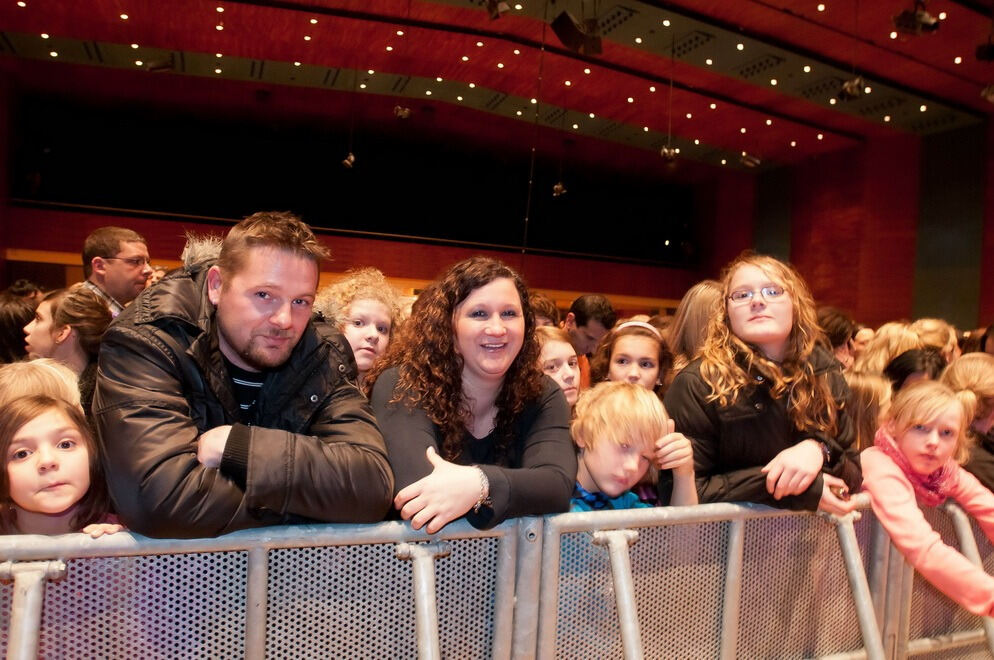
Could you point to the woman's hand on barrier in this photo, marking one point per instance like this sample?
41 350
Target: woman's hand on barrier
96 530
792 470
674 452
436 500
830 502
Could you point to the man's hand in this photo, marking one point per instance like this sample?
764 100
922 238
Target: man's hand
210 445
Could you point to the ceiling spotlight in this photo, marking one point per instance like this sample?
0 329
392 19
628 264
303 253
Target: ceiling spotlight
559 189
583 37
349 161
401 112
749 160
851 89
916 21
668 154
988 93
497 8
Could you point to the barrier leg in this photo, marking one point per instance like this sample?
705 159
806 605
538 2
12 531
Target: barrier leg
425 607
733 590
527 580
25 607
860 588
617 542
968 546
257 601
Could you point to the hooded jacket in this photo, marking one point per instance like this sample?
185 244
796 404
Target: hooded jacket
313 451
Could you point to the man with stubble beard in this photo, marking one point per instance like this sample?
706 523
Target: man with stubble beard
223 405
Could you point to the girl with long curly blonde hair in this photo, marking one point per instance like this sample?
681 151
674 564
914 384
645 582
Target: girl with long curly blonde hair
471 425
764 403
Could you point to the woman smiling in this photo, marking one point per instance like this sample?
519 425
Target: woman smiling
472 426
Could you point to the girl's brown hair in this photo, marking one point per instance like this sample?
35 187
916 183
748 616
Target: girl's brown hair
95 504
600 361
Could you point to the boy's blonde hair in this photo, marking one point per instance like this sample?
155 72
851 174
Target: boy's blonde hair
623 413
44 376
924 401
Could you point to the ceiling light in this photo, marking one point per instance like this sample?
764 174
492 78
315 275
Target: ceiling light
465 58
53 53
139 63
820 136
459 98
296 63
724 162
957 60
349 161
638 40
362 85
400 33
742 130
769 122
517 52
587 71
518 7
220 10
893 34
220 27
218 55
666 22
922 108
821 7
696 141
886 117
124 17
479 44
22 4
942 15
867 89
567 83
217 70
645 129
916 21
591 115
713 106
500 65
690 115
389 48
497 8
518 113
559 189
631 100
427 92
793 143
307 37
534 101
472 85
314 21
773 81
135 46
740 46
668 154
807 68
370 71
44 35
652 88
833 101
709 61
576 126
438 79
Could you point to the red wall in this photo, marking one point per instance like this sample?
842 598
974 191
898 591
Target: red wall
987 256
854 225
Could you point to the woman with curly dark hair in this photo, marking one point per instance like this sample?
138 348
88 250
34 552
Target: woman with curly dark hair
472 426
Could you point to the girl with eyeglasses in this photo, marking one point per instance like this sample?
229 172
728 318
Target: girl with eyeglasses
764 403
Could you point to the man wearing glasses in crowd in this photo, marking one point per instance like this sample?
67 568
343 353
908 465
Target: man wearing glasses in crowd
116 265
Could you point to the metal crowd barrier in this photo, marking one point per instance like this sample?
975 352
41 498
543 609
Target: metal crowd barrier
718 580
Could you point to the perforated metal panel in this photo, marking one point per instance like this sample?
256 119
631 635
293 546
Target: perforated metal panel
678 573
159 606
796 600
932 613
357 601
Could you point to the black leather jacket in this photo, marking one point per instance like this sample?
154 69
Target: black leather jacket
733 443
313 452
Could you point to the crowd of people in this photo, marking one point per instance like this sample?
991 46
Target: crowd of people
232 393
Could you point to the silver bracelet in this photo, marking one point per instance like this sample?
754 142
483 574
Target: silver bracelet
484 491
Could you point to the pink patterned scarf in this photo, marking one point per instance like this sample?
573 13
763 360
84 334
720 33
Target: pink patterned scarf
931 489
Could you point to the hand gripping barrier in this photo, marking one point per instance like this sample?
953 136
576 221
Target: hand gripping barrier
718 580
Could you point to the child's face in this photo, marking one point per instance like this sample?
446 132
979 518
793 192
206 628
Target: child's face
611 468
635 359
48 464
928 445
559 361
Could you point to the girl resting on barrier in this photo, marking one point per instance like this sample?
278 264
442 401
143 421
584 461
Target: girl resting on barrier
557 359
621 429
916 460
471 425
52 482
632 352
764 404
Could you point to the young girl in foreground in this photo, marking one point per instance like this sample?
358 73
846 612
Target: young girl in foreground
916 460
52 482
621 429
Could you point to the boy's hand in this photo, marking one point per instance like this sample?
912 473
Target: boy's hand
674 452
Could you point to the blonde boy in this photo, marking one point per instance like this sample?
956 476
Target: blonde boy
621 428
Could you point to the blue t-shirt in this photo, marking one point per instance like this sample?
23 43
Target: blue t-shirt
584 500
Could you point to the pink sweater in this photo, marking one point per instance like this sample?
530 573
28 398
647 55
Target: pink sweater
895 506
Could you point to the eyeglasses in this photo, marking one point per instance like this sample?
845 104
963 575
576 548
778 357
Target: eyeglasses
770 294
135 262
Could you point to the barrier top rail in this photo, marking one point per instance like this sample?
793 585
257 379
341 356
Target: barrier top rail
28 547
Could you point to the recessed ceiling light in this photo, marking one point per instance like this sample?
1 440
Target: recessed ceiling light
459 98
893 35
567 83
517 51
427 92
923 107
307 37
587 71
138 63
220 10
742 130
534 101
696 141
807 68
22 4
942 15
465 58
886 117
135 46
645 129
821 7
709 61
314 21
217 70
518 113
713 106
518 7
832 101
500 65
957 60
296 63
724 162
400 33
44 35
652 88
740 46
218 55
631 100
867 89
53 53
666 22
591 115
370 71
479 44
793 143
389 48
218 27
773 81
821 137
438 79
638 40
666 242
472 85
690 115
124 17
576 126
769 122
362 85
